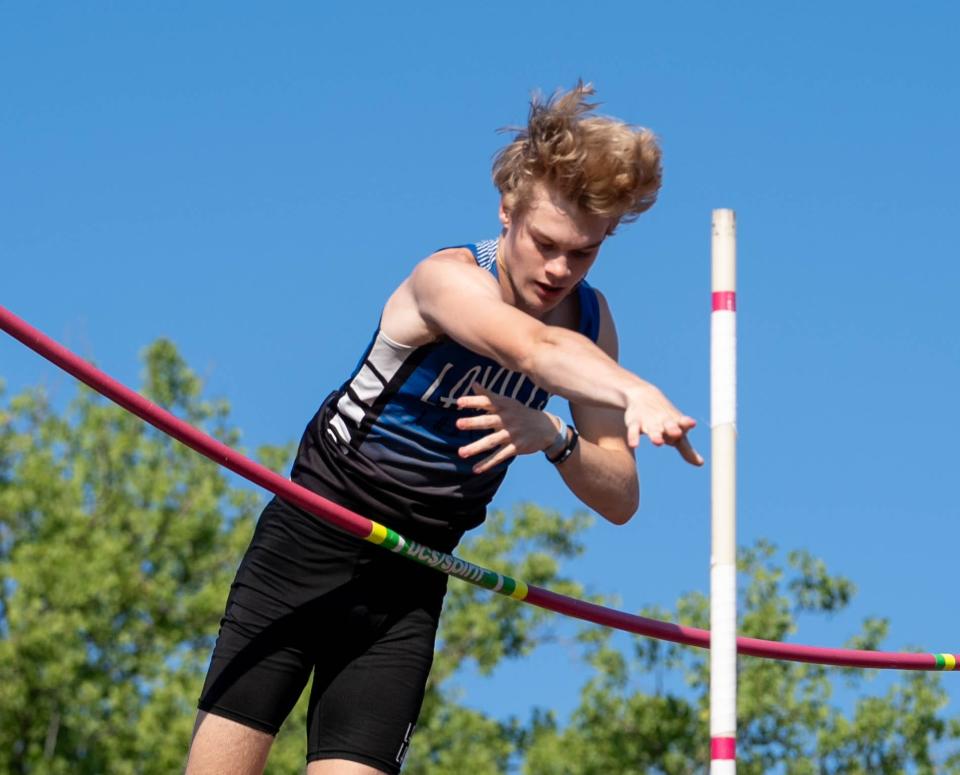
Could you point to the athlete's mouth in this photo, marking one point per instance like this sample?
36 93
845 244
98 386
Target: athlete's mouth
549 290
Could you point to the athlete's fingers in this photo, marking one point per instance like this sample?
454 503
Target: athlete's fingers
633 435
655 434
488 442
481 390
672 432
480 422
686 450
475 402
502 454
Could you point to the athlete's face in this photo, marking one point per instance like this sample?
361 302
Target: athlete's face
548 247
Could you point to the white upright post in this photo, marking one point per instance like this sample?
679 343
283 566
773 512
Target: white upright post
723 568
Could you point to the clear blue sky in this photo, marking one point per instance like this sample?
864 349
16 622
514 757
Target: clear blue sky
251 180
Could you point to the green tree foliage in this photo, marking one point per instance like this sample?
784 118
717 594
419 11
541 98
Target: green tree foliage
117 547
788 719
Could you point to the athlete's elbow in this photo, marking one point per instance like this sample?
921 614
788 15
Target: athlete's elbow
623 510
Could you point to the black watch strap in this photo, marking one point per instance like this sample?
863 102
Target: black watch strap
568 448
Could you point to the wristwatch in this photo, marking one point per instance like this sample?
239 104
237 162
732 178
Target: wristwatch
563 445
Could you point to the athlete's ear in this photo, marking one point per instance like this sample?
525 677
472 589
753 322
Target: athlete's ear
504 215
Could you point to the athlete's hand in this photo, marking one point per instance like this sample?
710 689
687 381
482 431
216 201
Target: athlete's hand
650 412
515 429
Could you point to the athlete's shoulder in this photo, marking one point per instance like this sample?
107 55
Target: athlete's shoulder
450 276
460 254
602 303
606 329
449 269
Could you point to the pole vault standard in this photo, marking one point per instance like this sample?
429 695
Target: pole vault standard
376 533
723 466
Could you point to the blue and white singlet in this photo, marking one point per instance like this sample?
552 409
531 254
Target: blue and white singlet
385 444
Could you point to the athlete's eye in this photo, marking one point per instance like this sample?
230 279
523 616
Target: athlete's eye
543 247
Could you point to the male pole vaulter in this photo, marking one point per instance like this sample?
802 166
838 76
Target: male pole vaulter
450 390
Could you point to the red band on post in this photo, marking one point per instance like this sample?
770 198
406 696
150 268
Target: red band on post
723 748
725 301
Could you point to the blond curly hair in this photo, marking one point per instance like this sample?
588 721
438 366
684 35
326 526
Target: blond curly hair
603 165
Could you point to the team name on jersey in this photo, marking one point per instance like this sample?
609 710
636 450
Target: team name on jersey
451 384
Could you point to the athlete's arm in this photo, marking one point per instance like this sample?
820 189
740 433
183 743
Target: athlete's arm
601 471
449 296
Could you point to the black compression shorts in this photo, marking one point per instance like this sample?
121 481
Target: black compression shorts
308 597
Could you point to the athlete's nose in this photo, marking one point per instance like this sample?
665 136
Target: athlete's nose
558 270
